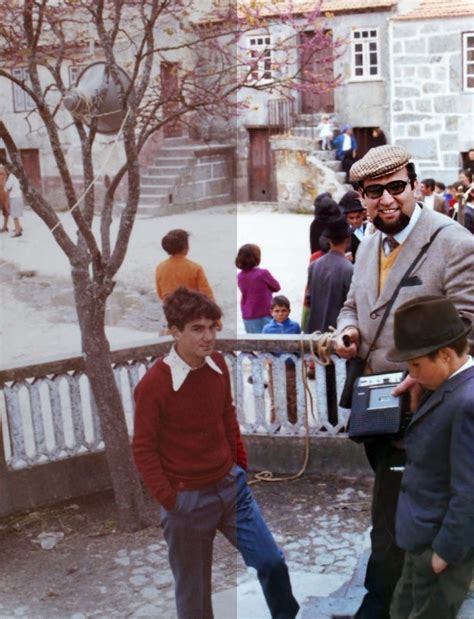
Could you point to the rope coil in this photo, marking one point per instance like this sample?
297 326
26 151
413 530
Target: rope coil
320 347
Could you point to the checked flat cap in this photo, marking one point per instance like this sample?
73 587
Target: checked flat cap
380 161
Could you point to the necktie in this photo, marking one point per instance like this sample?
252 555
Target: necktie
390 243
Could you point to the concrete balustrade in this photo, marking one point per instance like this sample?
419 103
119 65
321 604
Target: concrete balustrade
51 427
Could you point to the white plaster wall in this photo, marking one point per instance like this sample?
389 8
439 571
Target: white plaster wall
28 130
362 103
256 101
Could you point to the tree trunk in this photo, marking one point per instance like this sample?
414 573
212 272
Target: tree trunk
125 482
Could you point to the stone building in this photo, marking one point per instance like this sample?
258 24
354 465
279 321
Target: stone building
432 84
361 66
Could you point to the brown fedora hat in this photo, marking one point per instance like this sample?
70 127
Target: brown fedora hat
426 324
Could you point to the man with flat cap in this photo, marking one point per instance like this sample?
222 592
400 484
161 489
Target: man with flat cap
386 180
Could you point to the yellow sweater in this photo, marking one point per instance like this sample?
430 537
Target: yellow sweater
386 264
178 271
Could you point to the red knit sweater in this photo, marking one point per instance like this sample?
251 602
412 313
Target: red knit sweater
189 438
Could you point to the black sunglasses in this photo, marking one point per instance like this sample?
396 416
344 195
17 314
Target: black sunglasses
394 188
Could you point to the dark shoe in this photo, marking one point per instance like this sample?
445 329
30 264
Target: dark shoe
13 236
3 229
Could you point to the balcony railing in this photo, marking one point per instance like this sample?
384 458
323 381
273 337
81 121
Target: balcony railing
49 414
281 114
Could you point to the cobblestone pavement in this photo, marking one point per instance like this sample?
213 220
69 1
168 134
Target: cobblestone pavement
321 523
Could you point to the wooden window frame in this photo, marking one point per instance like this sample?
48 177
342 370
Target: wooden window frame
467 64
364 46
260 52
22 102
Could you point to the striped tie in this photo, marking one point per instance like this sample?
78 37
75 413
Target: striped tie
390 243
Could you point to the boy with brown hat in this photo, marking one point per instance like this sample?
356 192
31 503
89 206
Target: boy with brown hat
435 513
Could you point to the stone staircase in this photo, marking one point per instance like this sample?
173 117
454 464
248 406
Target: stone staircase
306 127
186 175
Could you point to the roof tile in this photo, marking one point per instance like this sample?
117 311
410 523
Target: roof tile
427 9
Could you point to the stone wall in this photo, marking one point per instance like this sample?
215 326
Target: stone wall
430 114
210 181
301 173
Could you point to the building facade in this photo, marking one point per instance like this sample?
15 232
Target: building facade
432 85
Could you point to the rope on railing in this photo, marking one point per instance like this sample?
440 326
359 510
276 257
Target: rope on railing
322 355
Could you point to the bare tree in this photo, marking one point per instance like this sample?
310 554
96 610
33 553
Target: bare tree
136 35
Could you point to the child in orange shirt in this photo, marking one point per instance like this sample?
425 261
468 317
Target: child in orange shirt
177 270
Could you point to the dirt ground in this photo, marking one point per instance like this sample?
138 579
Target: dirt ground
97 571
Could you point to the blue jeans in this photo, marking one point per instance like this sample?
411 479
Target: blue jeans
190 528
255 325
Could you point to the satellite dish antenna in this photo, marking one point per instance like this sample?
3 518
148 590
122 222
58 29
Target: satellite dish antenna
96 95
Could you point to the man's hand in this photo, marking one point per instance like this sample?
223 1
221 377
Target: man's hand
416 391
438 564
339 346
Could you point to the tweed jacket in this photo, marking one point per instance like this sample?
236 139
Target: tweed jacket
436 502
447 268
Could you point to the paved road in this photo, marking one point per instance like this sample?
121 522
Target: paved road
96 572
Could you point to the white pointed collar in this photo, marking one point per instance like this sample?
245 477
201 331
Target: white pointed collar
180 369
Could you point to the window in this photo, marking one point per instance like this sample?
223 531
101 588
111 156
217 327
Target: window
365 54
22 102
468 60
74 72
260 48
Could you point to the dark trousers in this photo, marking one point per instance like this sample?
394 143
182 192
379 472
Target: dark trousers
331 393
190 528
386 559
422 594
347 160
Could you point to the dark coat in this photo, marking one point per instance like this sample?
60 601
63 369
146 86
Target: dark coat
469 217
436 501
355 242
329 279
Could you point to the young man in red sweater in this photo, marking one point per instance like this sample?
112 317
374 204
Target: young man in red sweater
188 449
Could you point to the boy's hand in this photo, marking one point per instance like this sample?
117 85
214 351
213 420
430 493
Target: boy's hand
340 347
416 391
438 564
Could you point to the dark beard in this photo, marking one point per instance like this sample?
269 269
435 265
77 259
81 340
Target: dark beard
391 228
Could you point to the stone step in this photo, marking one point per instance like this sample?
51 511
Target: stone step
159 181
327 156
334 165
171 160
151 210
147 197
182 149
177 141
341 177
306 132
165 170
